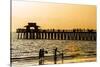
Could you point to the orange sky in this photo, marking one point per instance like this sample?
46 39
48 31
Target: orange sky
53 15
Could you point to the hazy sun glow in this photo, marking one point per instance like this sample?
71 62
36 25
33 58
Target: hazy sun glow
53 15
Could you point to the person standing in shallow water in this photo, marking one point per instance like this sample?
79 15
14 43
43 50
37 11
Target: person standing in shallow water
41 56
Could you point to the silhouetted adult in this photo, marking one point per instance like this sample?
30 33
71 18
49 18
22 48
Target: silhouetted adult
41 56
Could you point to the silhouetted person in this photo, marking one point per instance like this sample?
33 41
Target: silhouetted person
55 55
41 56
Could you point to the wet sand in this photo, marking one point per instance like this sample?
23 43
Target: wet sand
31 62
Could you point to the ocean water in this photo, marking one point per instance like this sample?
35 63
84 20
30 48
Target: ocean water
23 48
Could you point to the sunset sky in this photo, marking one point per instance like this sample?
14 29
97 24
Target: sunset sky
53 15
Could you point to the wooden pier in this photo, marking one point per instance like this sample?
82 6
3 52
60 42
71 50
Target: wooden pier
32 31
